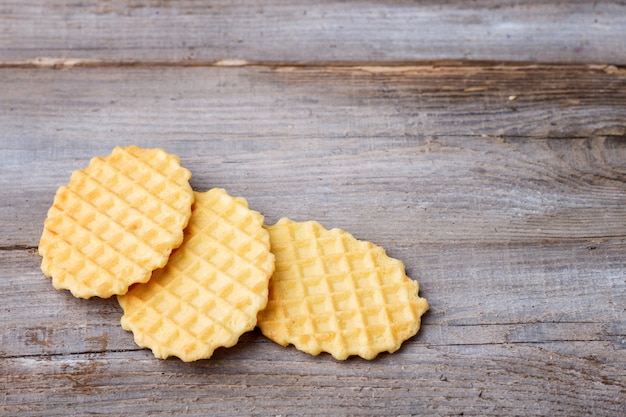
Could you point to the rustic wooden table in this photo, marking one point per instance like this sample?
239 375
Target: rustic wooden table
483 143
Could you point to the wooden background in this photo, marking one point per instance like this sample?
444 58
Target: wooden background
483 143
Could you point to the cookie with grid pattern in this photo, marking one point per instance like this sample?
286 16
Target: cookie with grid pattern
333 293
213 286
116 221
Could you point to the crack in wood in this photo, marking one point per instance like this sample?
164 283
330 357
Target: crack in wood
27 248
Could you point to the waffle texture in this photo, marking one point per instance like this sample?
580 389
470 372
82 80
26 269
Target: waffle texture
213 287
116 221
333 293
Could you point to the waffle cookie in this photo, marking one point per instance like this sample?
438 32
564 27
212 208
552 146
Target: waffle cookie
213 287
333 293
116 221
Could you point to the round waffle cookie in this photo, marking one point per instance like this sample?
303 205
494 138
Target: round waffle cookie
333 293
116 221
213 286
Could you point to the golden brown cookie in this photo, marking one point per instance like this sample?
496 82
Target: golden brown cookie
333 293
116 221
212 288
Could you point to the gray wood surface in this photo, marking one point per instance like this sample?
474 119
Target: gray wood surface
279 31
501 185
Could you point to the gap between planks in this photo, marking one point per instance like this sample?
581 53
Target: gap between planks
371 67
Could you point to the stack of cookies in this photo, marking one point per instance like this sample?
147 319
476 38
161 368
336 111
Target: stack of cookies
193 271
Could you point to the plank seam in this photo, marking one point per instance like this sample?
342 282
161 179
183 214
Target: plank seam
365 66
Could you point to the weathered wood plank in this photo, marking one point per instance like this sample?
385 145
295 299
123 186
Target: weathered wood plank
443 152
279 31
491 381
478 296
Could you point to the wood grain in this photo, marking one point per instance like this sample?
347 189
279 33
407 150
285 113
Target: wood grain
442 151
548 339
482 143
280 31
563 296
